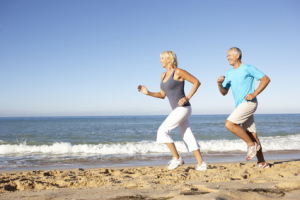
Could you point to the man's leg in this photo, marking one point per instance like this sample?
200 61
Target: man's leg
250 128
241 115
238 131
259 155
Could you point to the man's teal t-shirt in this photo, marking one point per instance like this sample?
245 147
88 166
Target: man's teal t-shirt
241 81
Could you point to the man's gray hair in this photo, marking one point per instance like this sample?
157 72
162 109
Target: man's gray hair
237 51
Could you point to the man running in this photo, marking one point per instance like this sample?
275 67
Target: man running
241 81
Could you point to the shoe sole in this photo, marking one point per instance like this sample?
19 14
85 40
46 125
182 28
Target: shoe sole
201 170
264 166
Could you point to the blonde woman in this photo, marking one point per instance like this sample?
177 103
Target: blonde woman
172 86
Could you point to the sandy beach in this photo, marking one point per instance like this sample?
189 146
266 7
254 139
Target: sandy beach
240 180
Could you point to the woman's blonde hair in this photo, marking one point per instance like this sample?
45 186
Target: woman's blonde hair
172 56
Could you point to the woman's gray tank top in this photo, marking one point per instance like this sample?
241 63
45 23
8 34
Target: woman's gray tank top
174 90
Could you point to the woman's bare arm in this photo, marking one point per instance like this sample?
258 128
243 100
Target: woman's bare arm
161 94
182 74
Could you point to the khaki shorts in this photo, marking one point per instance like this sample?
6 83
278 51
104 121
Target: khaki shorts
243 114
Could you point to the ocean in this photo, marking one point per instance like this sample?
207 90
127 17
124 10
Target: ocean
113 141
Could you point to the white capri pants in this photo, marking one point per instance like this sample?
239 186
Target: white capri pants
178 117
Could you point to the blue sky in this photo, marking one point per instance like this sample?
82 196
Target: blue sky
86 58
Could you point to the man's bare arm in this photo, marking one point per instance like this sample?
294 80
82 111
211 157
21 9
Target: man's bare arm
264 81
222 89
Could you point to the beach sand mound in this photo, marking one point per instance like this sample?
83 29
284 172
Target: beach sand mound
225 181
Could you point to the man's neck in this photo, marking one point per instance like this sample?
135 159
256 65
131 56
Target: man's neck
237 64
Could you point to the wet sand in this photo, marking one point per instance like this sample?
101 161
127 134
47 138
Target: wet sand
189 158
239 180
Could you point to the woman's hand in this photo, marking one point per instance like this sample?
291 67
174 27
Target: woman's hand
143 89
183 101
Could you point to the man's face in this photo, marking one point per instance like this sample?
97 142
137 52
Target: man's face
232 58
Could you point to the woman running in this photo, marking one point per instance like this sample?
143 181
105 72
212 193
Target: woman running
172 86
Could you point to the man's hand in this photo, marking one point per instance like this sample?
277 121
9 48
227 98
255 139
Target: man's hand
223 90
183 101
220 80
249 97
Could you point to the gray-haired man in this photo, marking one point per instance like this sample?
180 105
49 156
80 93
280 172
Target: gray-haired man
241 81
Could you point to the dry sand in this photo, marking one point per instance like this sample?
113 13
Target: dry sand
220 181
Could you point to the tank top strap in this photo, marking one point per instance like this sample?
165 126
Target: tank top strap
172 75
173 72
164 76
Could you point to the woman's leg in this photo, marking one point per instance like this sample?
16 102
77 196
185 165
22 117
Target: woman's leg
198 156
176 117
190 140
173 149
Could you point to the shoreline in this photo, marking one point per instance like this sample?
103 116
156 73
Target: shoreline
160 161
233 180
142 166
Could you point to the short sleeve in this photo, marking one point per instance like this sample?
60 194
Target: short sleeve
255 73
226 82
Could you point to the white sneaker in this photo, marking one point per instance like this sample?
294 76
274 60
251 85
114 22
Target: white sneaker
201 167
174 163
252 151
263 166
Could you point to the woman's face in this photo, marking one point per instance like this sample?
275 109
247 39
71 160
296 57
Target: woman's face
164 61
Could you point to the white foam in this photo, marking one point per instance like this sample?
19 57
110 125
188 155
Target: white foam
277 143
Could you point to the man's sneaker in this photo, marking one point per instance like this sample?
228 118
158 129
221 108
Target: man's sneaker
252 151
263 166
174 163
201 167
